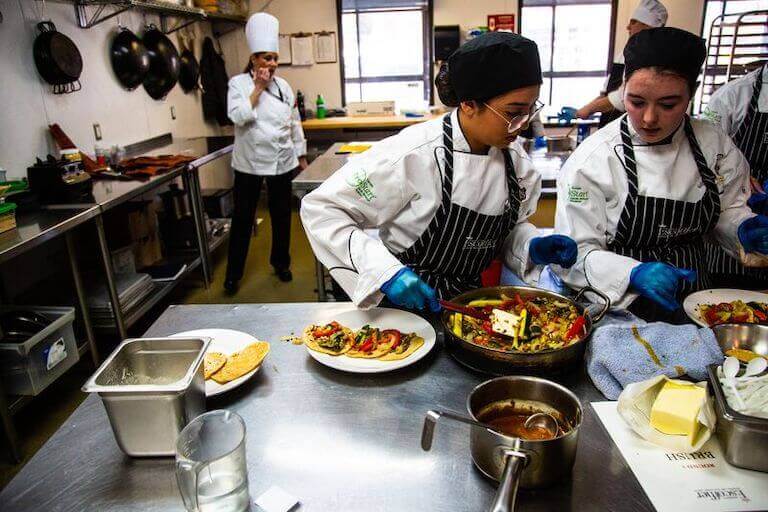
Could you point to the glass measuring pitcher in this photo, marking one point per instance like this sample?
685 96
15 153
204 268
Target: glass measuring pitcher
210 463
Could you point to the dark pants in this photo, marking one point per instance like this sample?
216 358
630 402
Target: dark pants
246 190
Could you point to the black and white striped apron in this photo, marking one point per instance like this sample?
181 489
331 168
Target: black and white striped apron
752 139
667 230
460 243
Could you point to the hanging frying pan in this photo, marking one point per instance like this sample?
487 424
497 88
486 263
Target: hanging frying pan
163 63
189 69
129 57
57 59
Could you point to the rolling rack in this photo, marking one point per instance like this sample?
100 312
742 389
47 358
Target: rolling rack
738 44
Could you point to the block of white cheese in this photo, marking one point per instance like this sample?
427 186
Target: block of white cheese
504 322
676 408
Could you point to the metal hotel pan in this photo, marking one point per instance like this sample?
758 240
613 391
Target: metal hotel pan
744 439
502 362
151 389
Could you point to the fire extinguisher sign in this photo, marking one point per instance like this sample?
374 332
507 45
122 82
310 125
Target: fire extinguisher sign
501 22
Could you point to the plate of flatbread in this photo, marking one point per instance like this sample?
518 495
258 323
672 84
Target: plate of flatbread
372 341
232 358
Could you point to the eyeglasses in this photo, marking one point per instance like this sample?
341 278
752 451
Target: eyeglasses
521 120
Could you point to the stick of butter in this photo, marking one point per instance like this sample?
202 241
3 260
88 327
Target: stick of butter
676 409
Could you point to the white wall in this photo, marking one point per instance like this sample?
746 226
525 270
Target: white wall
317 15
685 14
125 116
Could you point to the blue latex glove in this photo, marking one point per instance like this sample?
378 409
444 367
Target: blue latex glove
659 281
758 202
753 234
558 249
408 290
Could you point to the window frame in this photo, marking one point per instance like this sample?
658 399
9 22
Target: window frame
427 34
550 75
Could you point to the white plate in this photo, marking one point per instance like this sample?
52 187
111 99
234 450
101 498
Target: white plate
225 341
383 318
716 296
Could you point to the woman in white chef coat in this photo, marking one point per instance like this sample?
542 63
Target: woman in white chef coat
447 195
740 108
269 144
640 196
647 14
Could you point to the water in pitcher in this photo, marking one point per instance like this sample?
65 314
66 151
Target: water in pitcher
222 491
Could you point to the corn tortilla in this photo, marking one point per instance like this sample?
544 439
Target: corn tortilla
311 341
213 363
240 363
416 343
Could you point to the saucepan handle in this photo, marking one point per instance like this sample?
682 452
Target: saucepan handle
506 495
606 302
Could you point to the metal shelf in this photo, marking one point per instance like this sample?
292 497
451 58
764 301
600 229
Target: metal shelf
102 10
162 289
724 61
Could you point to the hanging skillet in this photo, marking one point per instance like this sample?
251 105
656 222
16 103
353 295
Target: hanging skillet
189 69
130 59
163 63
57 59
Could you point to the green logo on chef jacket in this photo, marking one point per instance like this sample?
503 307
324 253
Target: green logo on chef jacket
577 195
362 185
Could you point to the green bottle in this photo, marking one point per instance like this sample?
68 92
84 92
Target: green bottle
320 107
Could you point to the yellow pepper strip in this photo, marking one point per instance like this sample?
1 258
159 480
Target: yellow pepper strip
486 302
458 318
523 320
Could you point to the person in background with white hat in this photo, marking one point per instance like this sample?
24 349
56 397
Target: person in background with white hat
269 144
648 14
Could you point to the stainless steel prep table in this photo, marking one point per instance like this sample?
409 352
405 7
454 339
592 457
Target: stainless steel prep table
111 193
337 441
33 229
548 164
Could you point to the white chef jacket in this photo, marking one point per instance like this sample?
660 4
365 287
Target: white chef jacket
729 104
404 194
592 189
616 96
268 138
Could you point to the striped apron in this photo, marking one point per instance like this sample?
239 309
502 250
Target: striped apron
752 139
666 230
460 243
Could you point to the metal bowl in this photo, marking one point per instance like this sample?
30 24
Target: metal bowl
746 336
501 362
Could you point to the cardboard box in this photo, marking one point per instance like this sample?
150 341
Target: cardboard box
370 108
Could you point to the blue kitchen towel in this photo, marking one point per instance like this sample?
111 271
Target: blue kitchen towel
618 355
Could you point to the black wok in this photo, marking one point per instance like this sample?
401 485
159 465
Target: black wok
189 71
501 362
163 63
57 59
130 59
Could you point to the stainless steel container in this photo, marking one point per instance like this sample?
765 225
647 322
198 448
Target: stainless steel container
151 388
744 439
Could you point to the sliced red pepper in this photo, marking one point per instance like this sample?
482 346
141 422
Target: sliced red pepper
760 315
487 327
576 328
392 336
519 300
712 317
533 308
326 330
367 345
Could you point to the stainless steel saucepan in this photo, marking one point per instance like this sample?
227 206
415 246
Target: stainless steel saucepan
512 461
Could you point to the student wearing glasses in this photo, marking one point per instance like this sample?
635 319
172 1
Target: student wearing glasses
643 195
421 214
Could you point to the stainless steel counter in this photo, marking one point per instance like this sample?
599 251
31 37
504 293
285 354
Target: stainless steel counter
337 441
37 227
548 164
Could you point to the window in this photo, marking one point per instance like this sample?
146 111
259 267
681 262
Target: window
751 45
574 39
386 51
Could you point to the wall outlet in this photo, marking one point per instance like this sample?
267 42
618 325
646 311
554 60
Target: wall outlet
173 112
97 131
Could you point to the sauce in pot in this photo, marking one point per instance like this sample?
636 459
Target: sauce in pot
514 425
